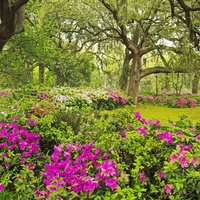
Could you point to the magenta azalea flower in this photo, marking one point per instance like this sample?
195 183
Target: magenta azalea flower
161 174
197 138
70 147
6 164
137 115
157 123
123 134
195 162
168 188
32 122
173 158
4 155
142 177
166 136
184 162
142 131
1 188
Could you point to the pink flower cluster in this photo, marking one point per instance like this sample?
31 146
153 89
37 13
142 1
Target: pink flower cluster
168 188
3 94
1 188
118 98
166 136
182 157
150 122
79 169
19 139
184 101
169 100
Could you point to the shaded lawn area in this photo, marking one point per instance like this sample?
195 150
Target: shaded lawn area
164 113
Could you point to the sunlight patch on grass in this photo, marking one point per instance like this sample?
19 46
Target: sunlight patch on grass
164 114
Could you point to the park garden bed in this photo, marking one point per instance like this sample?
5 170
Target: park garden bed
70 143
171 100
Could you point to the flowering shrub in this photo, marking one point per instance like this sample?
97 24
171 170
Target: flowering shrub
98 98
78 168
40 110
82 152
20 154
171 101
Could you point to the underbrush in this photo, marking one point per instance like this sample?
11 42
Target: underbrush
57 144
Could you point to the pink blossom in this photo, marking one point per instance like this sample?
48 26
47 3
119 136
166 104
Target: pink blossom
111 149
78 146
144 121
195 162
184 162
1 188
168 188
112 183
161 174
22 160
142 131
14 118
123 134
6 164
22 144
89 132
180 133
105 155
157 123
173 158
32 122
142 177
137 115
150 122
4 155
166 136
182 154
197 138
70 147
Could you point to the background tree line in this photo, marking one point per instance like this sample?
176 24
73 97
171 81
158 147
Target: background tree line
122 43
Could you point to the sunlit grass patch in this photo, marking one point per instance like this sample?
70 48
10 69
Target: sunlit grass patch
164 114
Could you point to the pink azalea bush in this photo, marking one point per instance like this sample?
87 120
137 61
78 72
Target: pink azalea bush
79 169
169 100
113 154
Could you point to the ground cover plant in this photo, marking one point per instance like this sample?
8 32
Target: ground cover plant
62 143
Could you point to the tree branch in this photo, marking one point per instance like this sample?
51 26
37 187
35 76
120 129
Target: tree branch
159 69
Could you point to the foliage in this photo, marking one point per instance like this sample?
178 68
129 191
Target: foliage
182 101
56 144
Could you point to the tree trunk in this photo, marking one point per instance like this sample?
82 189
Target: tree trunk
135 77
167 86
30 73
41 74
20 17
195 83
11 19
123 82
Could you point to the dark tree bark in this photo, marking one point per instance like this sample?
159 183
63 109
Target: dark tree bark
123 82
135 78
41 74
195 83
12 15
194 33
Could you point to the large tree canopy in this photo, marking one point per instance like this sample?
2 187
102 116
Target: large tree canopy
12 15
189 13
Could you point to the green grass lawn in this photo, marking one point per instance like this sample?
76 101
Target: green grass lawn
164 113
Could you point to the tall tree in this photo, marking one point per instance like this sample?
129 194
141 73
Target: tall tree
189 13
12 15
